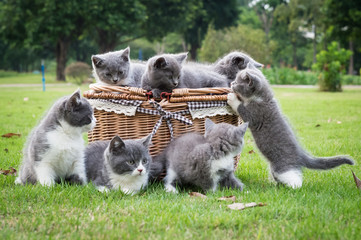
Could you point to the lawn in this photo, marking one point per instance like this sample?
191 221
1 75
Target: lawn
25 78
326 207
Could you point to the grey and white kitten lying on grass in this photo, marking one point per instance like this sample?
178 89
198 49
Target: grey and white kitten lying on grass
205 161
167 71
232 63
253 100
54 150
117 164
115 68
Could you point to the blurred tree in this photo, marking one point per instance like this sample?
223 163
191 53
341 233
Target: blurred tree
166 16
331 64
220 13
26 22
249 17
112 23
289 15
265 12
243 38
344 19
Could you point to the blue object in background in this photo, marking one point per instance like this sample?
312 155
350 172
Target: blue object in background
43 74
140 54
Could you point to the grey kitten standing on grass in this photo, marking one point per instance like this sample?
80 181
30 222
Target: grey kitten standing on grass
54 150
205 160
115 68
232 63
167 71
118 164
253 100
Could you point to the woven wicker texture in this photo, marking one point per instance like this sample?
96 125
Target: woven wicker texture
110 124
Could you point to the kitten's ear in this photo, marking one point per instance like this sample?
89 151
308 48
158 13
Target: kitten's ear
125 54
239 61
243 127
251 66
248 79
74 100
160 63
181 57
116 145
146 141
209 124
98 62
257 64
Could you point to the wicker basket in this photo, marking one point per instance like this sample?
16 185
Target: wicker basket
110 122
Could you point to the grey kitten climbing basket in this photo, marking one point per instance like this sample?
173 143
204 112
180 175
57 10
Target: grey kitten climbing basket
132 113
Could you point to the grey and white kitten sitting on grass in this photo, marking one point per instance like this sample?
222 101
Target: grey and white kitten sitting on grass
232 63
115 68
167 71
205 161
54 150
117 164
253 100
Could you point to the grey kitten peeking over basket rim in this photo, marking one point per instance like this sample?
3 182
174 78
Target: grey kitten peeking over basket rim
116 68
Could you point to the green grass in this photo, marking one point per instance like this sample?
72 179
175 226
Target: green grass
326 207
25 78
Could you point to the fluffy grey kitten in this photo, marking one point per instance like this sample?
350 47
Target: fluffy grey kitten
167 71
253 100
54 150
232 63
118 164
205 160
115 68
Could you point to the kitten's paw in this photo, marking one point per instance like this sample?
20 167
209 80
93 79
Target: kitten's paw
18 181
156 93
103 189
76 179
47 182
233 101
169 188
291 178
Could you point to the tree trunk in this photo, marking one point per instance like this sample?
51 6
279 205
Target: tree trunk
294 54
350 66
193 51
314 43
106 41
62 47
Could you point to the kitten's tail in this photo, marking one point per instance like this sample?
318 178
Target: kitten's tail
157 166
324 163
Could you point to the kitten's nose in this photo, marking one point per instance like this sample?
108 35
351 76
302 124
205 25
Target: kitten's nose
175 84
115 80
140 170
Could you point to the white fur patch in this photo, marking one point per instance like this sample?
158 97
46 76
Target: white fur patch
226 162
64 157
129 183
169 178
103 189
291 178
233 101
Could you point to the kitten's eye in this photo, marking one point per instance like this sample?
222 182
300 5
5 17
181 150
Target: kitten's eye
108 75
144 161
121 72
178 77
131 162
